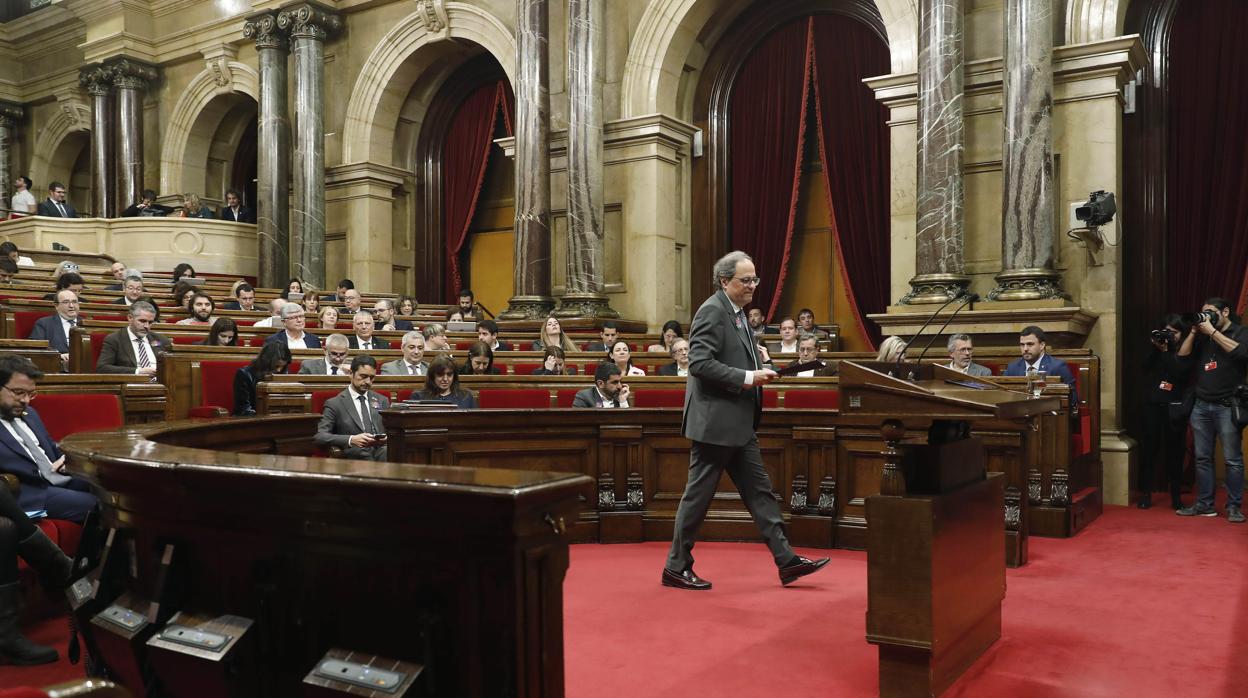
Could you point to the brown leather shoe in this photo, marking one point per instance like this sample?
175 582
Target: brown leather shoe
684 580
800 567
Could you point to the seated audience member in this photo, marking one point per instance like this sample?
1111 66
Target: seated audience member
234 210
480 361
343 286
183 291
442 384
329 317
435 338
607 336
54 329
275 314
680 359
808 352
120 272
758 323
223 333
69 280
383 311
407 306
134 348
351 302
295 285
132 289
55 205
294 319
274 358
65 267
156 308
961 350
351 420
621 356
806 322
892 350
609 389
23 202
412 363
9 251
1033 345
312 304
182 271
552 335
201 308
146 207
8 270
553 363
467 306
363 338
192 208
788 338
244 298
671 332
20 537
487 331
335 361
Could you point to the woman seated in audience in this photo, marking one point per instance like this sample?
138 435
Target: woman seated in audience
453 315
435 338
552 335
182 271
273 359
671 333
192 208
223 333
292 286
329 316
622 357
442 384
407 305
892 350
480 361
66 267
553 364
183 292
312 304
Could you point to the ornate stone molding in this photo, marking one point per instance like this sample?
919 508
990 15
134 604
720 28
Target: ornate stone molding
76 110
309 20
128 73
1028 285
97 80
217 61
10 114
264 30
433 12
935 288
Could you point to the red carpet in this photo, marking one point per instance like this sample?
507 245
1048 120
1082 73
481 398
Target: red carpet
1143 603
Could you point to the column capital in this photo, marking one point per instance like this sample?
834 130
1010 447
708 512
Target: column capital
10 113
309 20
97 80
264 30
128 73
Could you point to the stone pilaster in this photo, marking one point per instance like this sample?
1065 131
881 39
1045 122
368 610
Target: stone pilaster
98 82
273 157
10 114
309 24
940 271
586 52
1028 229
531 276
130 79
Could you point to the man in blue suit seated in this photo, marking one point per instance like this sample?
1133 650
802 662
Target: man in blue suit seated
27 451
1032 342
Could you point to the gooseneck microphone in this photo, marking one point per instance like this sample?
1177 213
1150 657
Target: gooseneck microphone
969 298
900 354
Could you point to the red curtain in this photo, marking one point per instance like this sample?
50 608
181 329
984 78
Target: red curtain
853 141
465 155
767 129
1207 199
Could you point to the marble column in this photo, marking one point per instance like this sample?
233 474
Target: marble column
1028 235
309 25
10 114
940 271
531 275
130 78
273 156
586 52
98 82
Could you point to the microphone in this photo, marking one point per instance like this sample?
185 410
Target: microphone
970 299
897 365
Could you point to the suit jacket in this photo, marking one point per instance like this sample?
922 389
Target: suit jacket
826 369
396 368
51 329
668 369
978 371
244 215
120 301
596 346
399 325
503 346
310 340
314 367
15 460
47 208
340 421
244 393
589 397
378 343
1052 366
233 305
117 355
719 409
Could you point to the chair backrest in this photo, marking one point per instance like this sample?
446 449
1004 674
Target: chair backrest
97 346
566 396
514 399
216 383
812 399
319 397
524 368
24 322
69 413
187 338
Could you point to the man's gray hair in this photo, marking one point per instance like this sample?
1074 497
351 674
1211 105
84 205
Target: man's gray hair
726 267
290 309
337 340
361 313
411 335
141 307
955 338
807 337
434 329
133 274
385 303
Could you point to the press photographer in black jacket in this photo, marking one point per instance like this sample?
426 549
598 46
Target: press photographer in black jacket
1163 437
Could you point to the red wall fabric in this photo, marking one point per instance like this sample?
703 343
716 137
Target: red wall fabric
1207 187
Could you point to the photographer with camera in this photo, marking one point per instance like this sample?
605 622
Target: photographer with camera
1218 349
1163 437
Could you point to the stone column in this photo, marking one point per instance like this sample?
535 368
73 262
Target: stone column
940 269
273 156
130 78
10 113
531 276
1028 230
309 25
98 82
586 52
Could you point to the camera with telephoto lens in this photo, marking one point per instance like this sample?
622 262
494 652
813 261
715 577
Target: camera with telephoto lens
1162 335
1197 318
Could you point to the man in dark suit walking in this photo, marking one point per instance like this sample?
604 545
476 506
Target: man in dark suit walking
133 349
351 420
723 403
55 205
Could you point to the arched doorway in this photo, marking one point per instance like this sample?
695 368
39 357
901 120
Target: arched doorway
221 151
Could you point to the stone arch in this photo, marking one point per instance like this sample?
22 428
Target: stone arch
1094 20
408 52
58 146
199 111
672 31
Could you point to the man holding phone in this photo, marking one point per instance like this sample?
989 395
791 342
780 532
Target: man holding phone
351 420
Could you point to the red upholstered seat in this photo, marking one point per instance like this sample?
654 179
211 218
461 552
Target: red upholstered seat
24 321
812 399
70 413
294 366
403 394
660 398
496 398
257 341
566 396
110 318
23 691
771 399
187 339
248 322
463 345
995 367
66 534
524 369
319 397
216 383
97 345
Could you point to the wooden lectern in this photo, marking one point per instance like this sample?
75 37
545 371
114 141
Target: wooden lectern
935 540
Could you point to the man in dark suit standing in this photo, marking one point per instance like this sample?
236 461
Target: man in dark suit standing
133 349
351 420
723 403
234 210
1032 344
55 328
55 205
